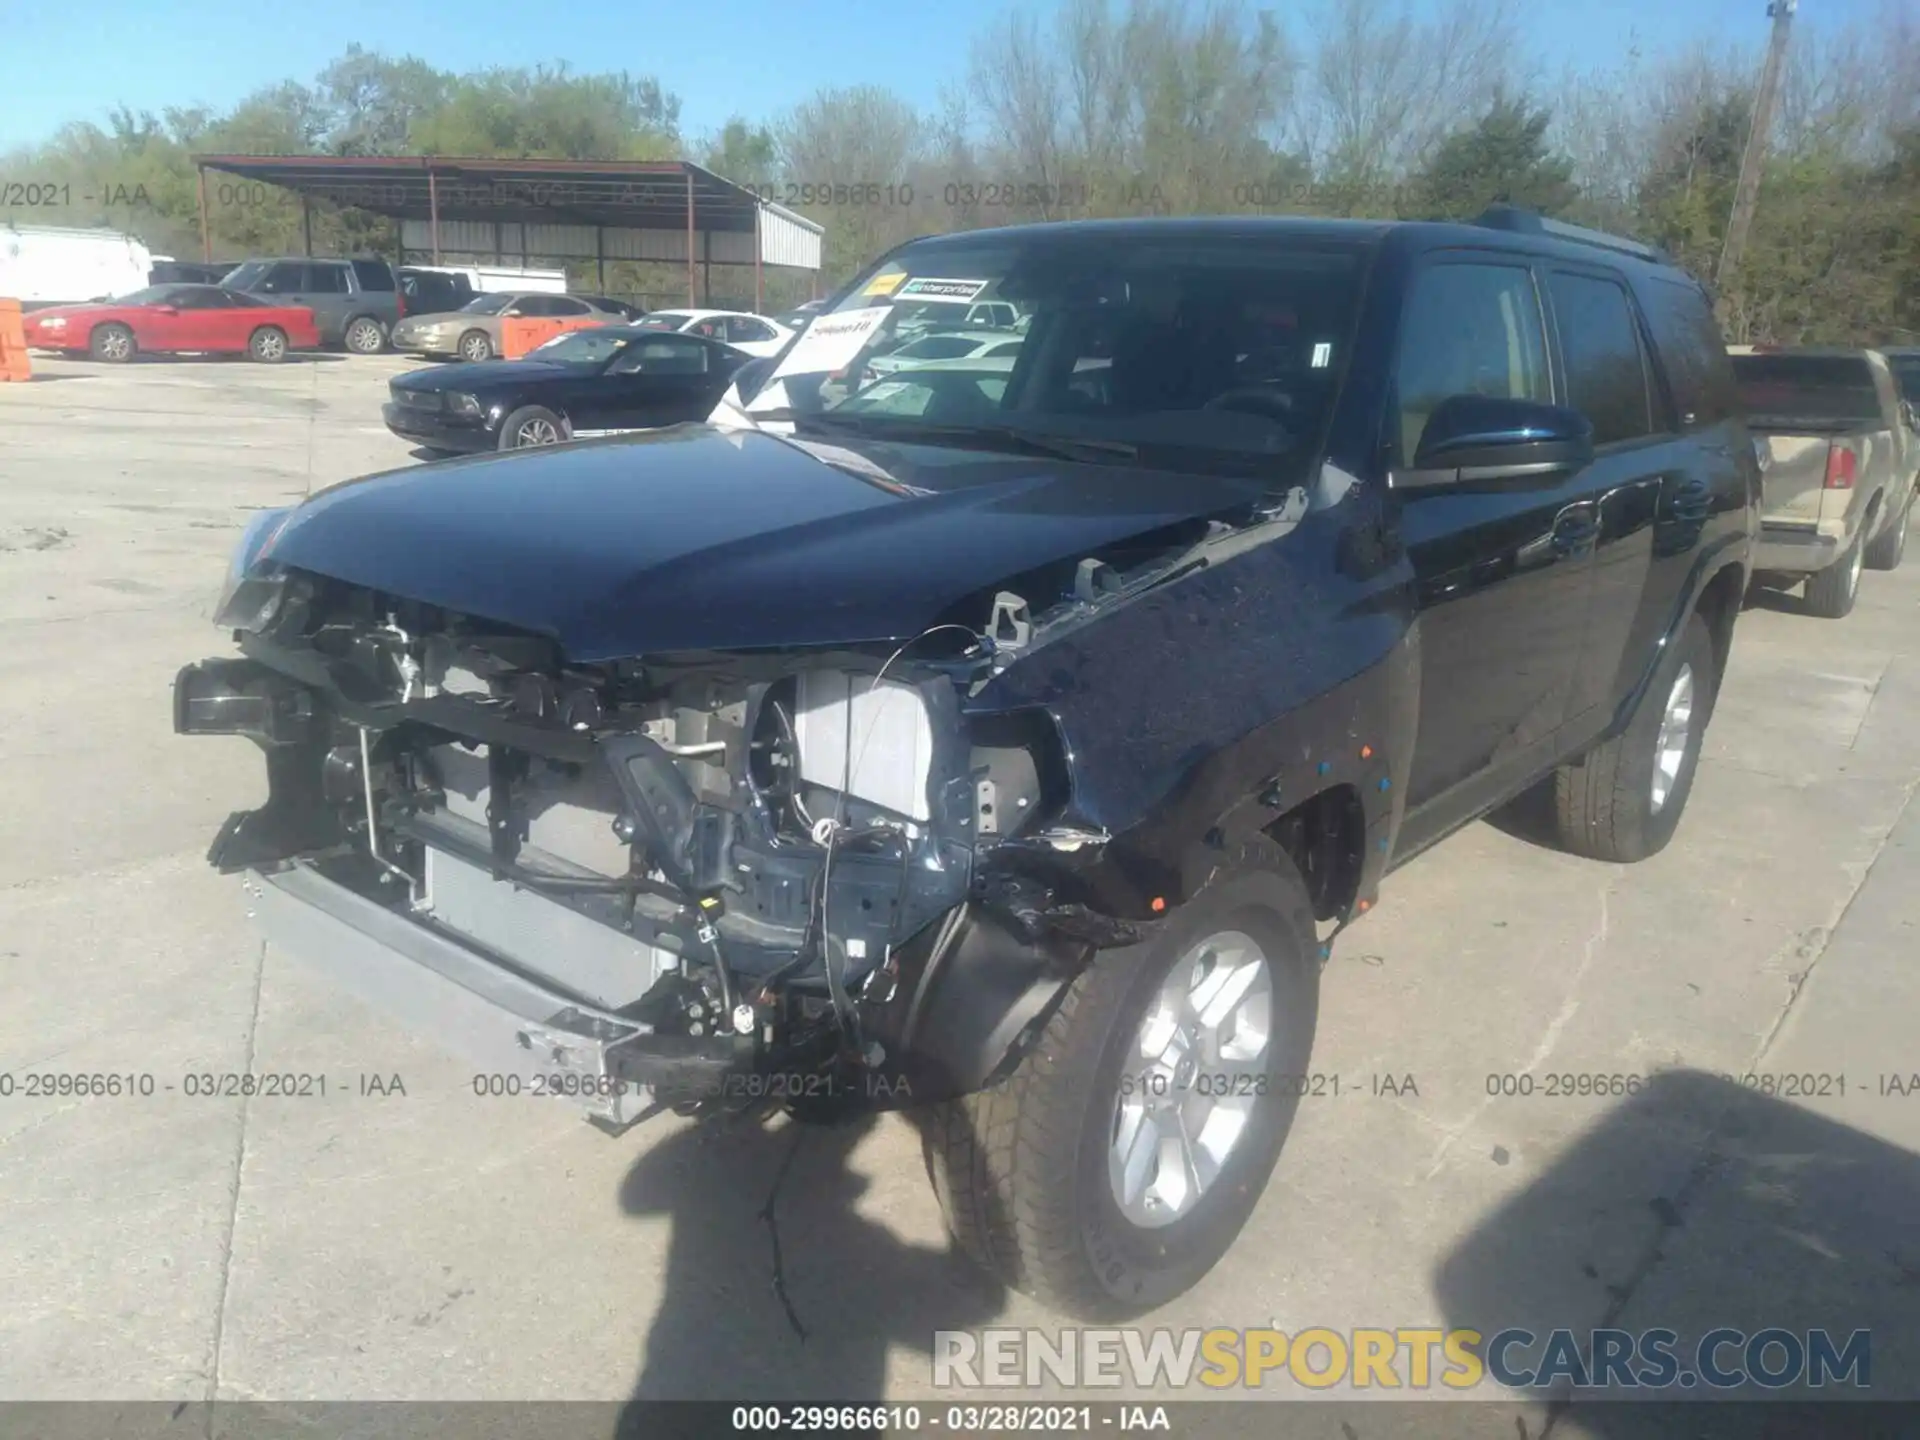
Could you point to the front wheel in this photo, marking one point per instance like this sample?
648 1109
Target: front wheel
366 336
1120 1160
111 342
268 345
1623 799
476 346
532 425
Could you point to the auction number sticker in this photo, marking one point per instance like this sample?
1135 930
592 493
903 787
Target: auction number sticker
885 283
831 341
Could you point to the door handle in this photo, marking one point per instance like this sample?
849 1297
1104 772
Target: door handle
1574 529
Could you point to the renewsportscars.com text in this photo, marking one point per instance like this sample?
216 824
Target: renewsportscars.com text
1401 1359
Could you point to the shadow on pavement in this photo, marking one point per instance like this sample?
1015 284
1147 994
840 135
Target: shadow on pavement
807 1308
1702 1203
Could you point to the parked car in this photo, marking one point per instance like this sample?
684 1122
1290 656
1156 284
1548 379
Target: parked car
755 334
501 279
1905 363
945 345
1003 767
199 319
473 331
433 292
580 383
356 303
625 308
1840 467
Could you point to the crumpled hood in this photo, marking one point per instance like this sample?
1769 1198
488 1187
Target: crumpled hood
694 539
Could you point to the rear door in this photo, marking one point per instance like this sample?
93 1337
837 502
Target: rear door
1501 570
1605 372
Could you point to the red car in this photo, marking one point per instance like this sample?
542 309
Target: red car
200 318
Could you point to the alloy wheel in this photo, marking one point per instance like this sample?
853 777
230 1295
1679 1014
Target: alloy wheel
1195 1069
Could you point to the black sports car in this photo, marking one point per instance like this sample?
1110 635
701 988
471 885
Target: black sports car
599 381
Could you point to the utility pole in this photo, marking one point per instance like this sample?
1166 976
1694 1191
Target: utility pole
1746 194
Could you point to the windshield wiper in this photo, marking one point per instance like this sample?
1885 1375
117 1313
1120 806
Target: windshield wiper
1061 447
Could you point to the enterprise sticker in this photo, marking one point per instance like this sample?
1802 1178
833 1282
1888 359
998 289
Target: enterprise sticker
928 288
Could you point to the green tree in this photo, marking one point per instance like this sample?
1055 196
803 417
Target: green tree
1504 157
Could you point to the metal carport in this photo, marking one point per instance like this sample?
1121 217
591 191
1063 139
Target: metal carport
656 211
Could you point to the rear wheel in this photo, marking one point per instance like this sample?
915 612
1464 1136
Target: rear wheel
476 346
112 342
268 345
365 335
1622 800
1890 545
532 425
1121 1158
1832 591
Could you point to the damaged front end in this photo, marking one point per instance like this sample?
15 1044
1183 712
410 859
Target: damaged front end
699 881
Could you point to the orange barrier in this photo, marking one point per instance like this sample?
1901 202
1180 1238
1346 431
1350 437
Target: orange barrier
14 364
517 337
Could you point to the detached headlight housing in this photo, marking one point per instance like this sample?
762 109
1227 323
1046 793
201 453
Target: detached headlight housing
461 404
250 595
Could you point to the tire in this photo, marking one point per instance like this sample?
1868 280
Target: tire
1022 1169
113 343
1832 591
1606 805
531 420
1889 547
365 335
476 345
268 345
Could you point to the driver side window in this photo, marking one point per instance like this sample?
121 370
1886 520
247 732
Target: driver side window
1471 328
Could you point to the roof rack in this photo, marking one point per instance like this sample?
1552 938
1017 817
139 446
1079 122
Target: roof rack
1529 222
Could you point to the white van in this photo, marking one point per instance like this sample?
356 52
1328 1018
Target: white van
494 279
43 265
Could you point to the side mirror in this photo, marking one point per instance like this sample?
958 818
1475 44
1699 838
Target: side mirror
1910 415
513 314
1471 438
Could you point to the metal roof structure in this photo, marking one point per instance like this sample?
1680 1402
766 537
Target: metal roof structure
658 210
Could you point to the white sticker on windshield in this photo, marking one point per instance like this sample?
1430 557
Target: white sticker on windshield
1322 355
928 288
831 340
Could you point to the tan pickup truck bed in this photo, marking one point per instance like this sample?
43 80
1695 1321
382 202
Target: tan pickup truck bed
1840 463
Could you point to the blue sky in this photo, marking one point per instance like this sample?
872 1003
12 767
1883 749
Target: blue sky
76 60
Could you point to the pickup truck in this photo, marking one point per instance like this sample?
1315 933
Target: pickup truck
1842 452
1011 753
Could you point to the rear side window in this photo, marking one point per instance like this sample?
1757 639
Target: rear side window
327 279
1606 373
373 275
1808 389
566 305
1693 353
1470 329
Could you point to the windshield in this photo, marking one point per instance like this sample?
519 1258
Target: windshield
1222 350
580 347
487 304
665 320
152 295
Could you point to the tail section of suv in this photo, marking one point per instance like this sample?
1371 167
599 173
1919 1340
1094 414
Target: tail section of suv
356 303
